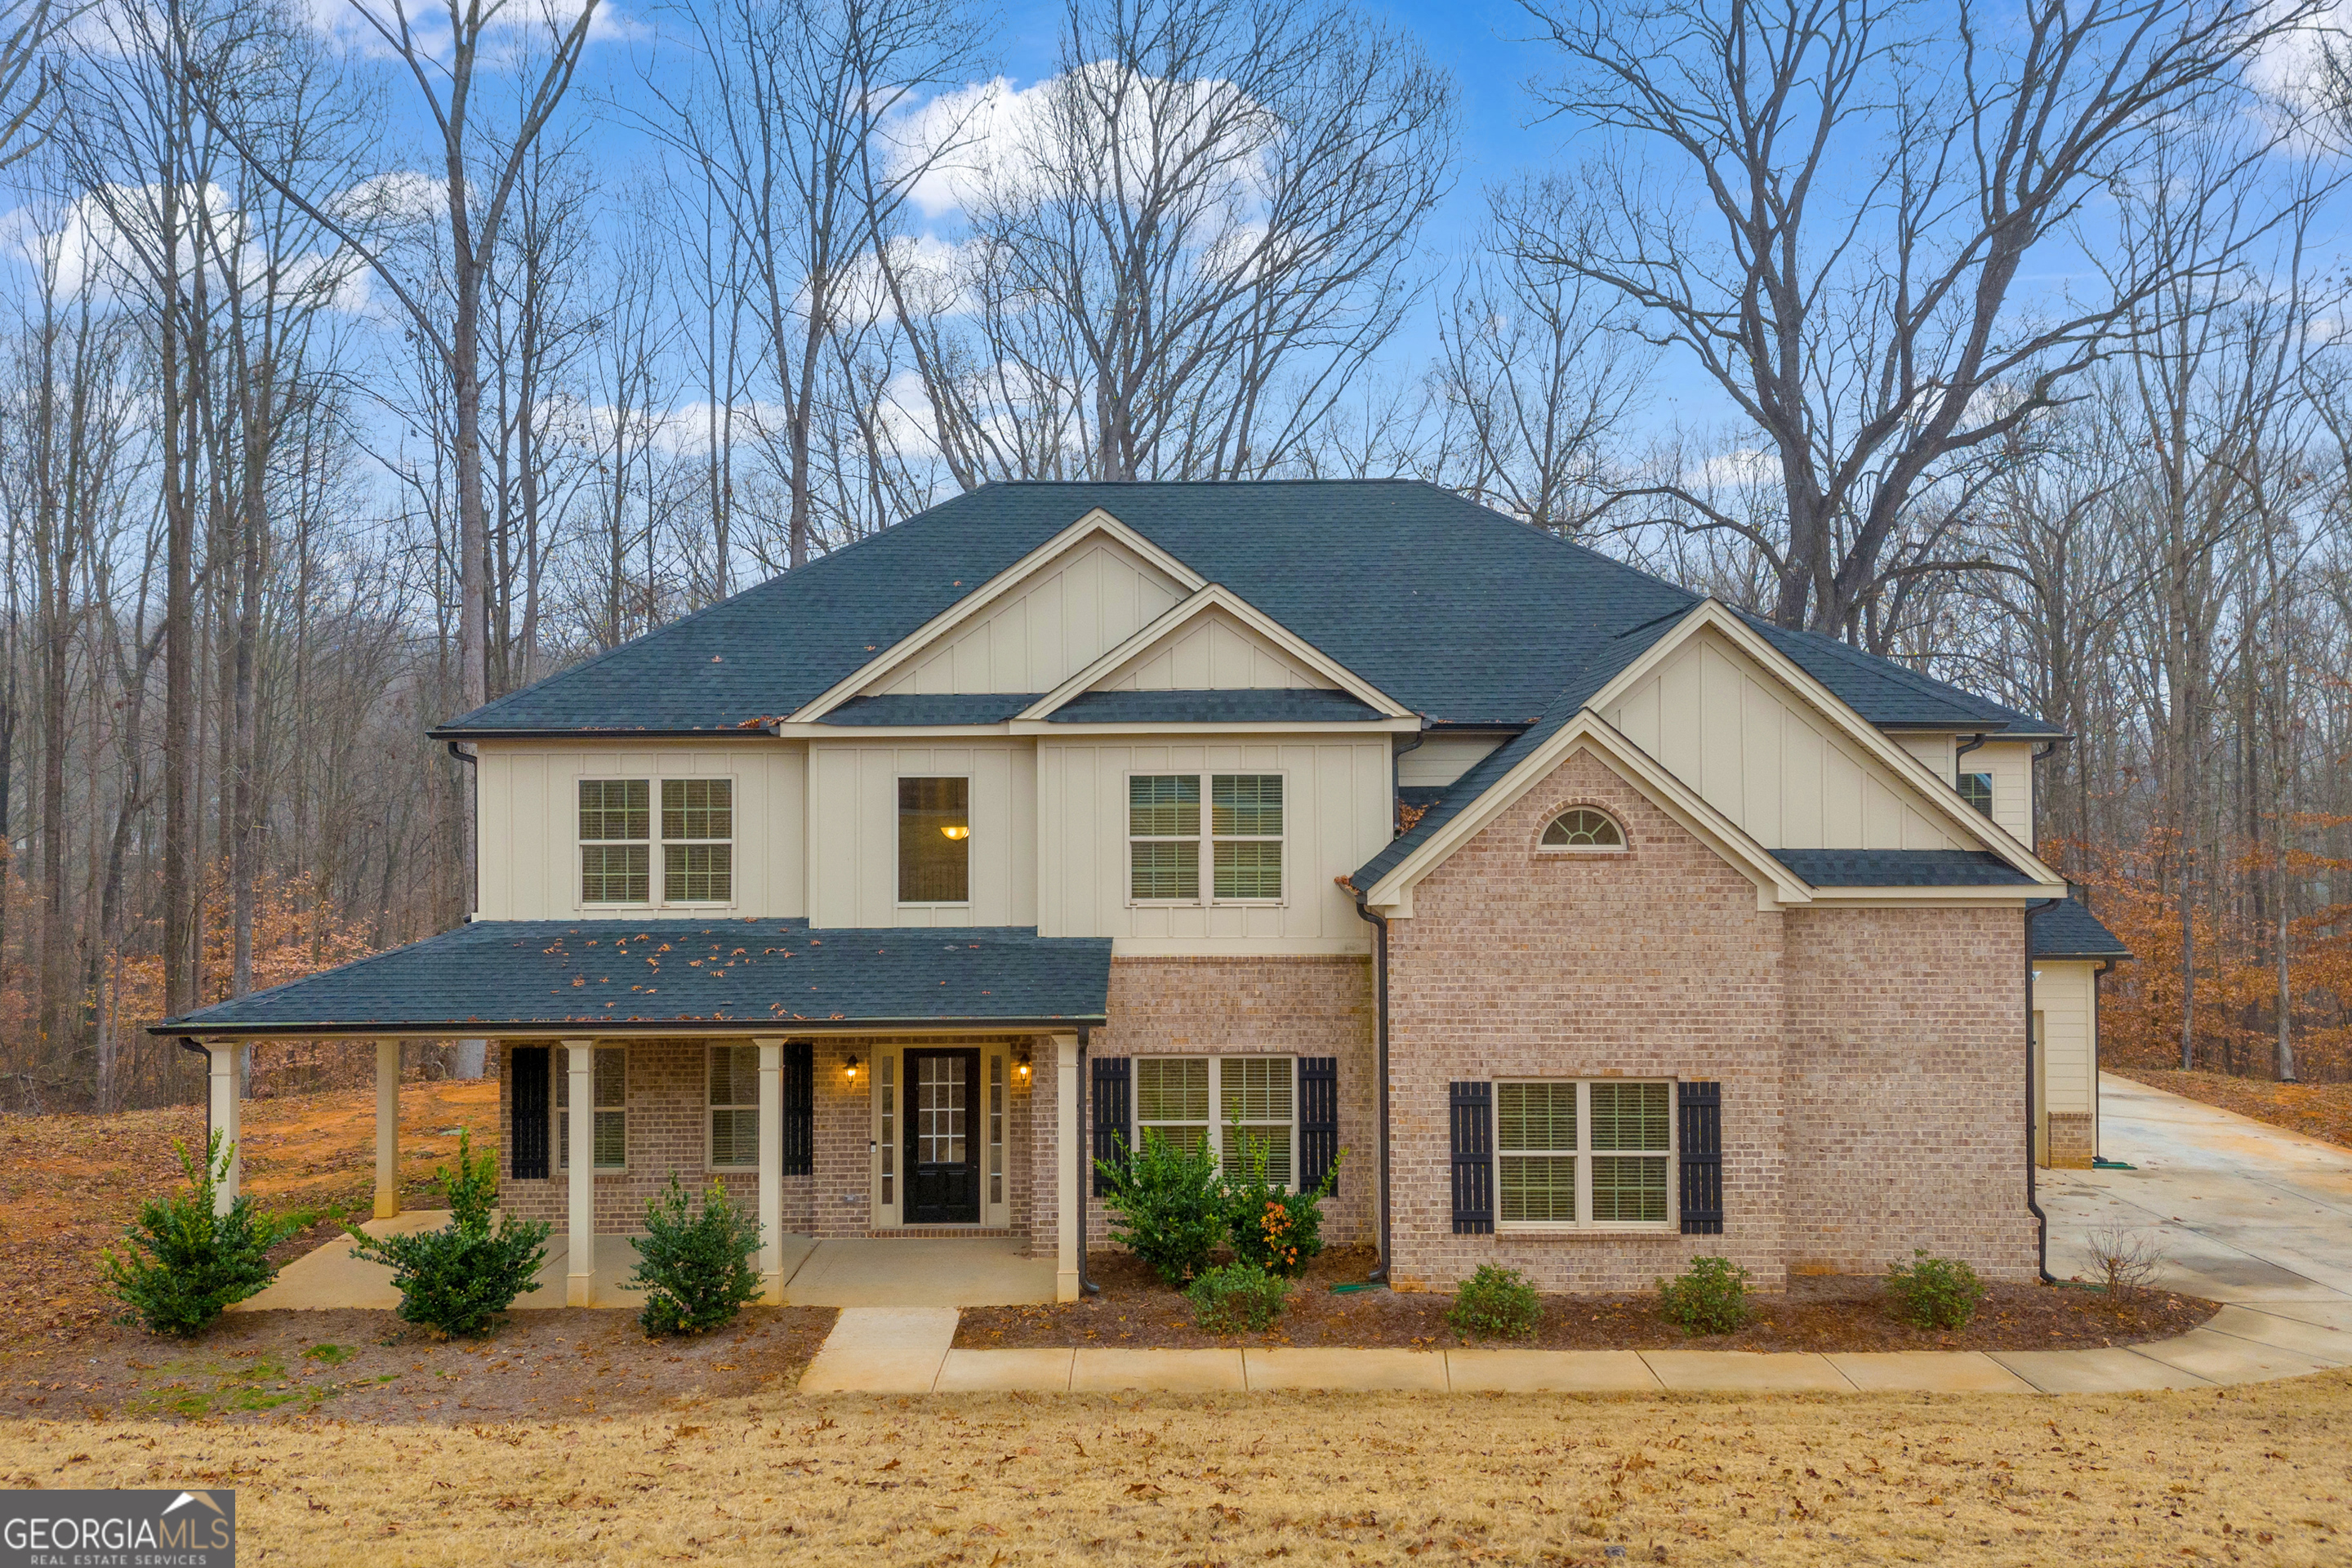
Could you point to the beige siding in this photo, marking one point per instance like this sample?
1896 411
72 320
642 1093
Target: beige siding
854 832
1212 652
1441 759
1769 761
1076 608
530 820
1935 751
2063 994
1337 800
2011 763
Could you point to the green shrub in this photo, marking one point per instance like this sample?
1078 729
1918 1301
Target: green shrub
696 1269
1277 1231
1710 1297
1497 1303
457 1279
1934 1292
1171 1205
184 1265
1238 1296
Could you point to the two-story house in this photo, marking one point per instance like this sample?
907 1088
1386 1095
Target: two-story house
1598 924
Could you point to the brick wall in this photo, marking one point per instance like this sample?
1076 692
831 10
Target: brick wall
1287 1005
1653 963
2072 1134
1907 1088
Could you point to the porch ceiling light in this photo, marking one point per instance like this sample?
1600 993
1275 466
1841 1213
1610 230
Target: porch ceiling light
956 830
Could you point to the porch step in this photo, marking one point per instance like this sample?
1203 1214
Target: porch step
943 1233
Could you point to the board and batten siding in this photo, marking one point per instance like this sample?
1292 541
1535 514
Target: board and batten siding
1212 652
852 832
1336 815
1441 759
1766 760
529 804
2011 763
2065 995
1075 609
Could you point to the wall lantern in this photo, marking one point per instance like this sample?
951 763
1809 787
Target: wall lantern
1021 1066
852 1069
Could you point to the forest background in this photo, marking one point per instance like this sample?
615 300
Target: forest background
360 364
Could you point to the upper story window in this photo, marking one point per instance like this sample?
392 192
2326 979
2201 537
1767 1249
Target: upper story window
1240 837
698 831
935 841
1583 828
1976 790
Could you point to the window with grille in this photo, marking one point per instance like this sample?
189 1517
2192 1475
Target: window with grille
734 1096
1240 837
935 841
697 841
1255 1101
1592 1152
609 1130
1976 790
616 828
885 1144
995 1130
1583 828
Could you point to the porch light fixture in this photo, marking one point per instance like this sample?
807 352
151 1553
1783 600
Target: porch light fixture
1021 1066
956 830
852 1069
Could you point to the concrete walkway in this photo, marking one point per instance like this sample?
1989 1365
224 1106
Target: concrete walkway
2249 1215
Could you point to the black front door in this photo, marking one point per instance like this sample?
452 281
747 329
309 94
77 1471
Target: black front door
942 1151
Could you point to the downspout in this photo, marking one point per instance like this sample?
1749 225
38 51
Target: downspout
1086 1165
2032 1206
1962 750
1380 924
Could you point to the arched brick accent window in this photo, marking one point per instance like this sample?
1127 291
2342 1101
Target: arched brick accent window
1583 827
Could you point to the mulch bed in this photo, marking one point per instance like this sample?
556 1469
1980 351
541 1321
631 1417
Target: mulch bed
1135 1311
2317 1110
369 1366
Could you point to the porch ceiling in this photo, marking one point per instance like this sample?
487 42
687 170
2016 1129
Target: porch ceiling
685 976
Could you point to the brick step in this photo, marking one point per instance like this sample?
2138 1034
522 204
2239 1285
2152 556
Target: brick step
942 1232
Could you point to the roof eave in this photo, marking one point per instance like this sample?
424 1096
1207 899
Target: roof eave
605 1029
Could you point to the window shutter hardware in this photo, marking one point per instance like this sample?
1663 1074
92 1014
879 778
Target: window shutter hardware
1318 1120
527 1113
1699 1107
1472 1108
1113 1076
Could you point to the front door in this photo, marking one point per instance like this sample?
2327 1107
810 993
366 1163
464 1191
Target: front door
942 1155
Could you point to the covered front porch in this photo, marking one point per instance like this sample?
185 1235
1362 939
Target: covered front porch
911 1111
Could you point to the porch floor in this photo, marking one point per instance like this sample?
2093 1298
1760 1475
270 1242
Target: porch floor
857 1272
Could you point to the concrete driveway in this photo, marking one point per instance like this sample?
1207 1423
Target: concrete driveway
2246 1212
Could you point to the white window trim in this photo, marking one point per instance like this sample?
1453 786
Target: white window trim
1624 846
709 1163
1208 841
1584 1224
969 813
560 1085
1218 1127
654 843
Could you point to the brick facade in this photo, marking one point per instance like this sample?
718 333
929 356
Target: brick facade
2071 1136
1869 1059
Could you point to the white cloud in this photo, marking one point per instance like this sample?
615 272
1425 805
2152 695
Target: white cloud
1742 468
101 241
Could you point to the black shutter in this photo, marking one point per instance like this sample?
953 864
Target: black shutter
1113 1075
1472 1105
800 1108
1700 1107
1318 1120
527 1099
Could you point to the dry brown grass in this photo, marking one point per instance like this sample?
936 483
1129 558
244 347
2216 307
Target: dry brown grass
2256 1476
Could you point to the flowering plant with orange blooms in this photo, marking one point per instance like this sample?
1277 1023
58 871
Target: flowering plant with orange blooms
1272 1228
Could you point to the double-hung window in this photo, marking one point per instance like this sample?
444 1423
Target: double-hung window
697 841
734 1097
1592 1152
1233 1103
616 841
1976 790
609 1130
1239 838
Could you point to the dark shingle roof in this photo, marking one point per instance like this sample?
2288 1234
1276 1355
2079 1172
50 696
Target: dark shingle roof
1276 706
1892 696
678 973
2069 930
982 708
1463 615
1900 867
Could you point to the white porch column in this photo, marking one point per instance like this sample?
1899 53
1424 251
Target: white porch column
580 1241
387 1129
771 1170
1066 1150
225 1057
